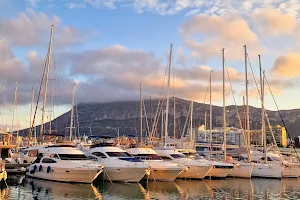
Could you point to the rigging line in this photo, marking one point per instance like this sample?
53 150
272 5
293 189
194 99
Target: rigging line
206 92
253 75
77 119
237 110
279 113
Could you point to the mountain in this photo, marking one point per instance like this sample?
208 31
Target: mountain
104 118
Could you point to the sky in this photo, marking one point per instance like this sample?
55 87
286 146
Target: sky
109 47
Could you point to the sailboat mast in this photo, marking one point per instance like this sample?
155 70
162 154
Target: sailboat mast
15 110
168 99
210 113
30 117
47 79
263 130
205 126
174 122
191 131
51 111
72 112
247 104
141 114
224 107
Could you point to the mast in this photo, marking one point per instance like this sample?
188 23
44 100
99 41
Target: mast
72 112
247 104
205 126
245 121
51 111
168 99
141 114
15 110
192 109
210 113
263 131
224 107
47 79
31 108
90 129
174 108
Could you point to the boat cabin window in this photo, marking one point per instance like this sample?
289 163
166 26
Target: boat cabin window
72 157
177 156
148 156
269 159
165 158
92 158
48 160
99 154
33 153
54 156
118 154
275 158
38 159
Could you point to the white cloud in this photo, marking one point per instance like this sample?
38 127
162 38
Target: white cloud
73 5
33 3
31 28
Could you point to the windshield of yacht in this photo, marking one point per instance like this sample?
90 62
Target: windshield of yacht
118 154
178 156
148 156
72 157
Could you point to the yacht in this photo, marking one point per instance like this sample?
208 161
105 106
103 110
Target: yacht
242 170
64 163
219 170
118 164
160 170
195 169
262 169
290 170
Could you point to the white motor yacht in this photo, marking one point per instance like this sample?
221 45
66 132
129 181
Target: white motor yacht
195 168
160 170
219 170
64 163
118 164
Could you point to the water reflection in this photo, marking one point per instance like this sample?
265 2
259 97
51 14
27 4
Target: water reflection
21 188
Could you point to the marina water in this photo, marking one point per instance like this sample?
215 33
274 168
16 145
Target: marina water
230 188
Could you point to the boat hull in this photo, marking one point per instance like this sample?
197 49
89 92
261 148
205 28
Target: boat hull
291 171
241 171
219 172
123 174
267 171
72 175
166 175
195 172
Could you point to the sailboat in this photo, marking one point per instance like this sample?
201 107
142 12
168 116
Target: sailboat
61 162
241 170
160 170
265 170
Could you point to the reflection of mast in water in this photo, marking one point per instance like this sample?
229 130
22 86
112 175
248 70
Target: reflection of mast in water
96 192
145 192
251 193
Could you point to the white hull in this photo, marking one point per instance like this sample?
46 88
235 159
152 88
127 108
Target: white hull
219 172
166 175
123 174
195 172
267 170
291 171
76 175
242 171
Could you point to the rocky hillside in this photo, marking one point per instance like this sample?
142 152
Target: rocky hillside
105 118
